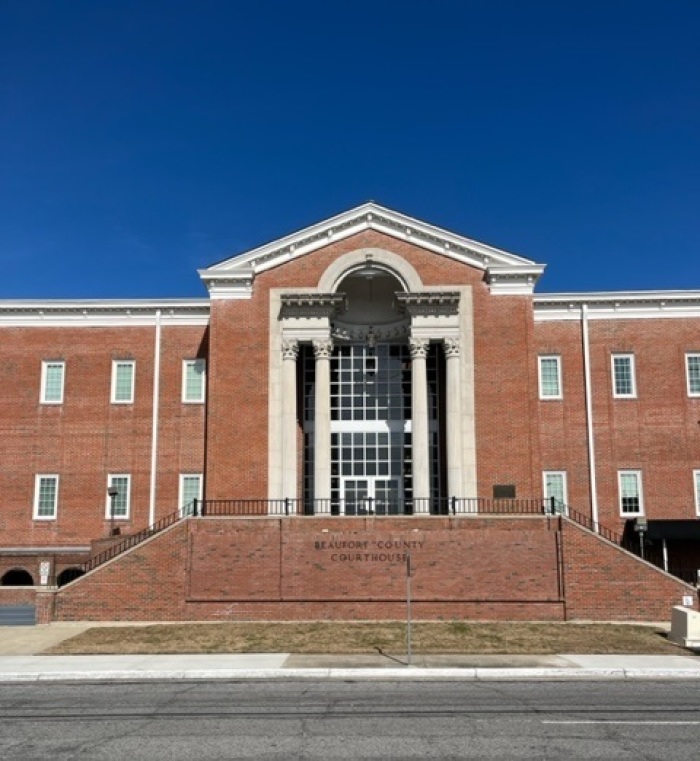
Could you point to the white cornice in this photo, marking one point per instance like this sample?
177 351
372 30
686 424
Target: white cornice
617 305
233 277
103 313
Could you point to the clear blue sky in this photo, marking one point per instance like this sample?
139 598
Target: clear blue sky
142 139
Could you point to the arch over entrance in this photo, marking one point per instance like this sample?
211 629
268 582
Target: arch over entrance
17 577
365 259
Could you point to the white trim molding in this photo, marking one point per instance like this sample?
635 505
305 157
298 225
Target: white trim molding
617 305
504 272
93 313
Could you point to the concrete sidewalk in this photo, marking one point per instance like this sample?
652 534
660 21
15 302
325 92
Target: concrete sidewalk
25 668
21 660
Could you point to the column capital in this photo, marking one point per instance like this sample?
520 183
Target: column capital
418 347
323 349
290 349
451 347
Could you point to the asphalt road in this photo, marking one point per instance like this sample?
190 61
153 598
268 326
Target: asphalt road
350 720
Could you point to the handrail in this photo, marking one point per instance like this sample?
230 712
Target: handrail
133 539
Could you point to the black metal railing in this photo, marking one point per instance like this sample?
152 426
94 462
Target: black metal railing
133 539
371 506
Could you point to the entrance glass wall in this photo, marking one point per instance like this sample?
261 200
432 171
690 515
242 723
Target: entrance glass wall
370 400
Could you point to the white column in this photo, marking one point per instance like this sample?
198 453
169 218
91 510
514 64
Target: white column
453 413
322 423
420 446
290 351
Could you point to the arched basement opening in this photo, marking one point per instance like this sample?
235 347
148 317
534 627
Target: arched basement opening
69 574
17 577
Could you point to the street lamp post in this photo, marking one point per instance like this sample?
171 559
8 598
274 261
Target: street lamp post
112 492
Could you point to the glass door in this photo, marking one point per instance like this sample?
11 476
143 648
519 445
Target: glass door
371 496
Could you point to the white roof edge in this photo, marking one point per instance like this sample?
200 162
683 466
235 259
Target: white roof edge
369 215
605 297
102 304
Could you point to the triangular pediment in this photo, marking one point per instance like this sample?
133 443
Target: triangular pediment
505 272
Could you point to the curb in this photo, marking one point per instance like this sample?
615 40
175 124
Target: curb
408 674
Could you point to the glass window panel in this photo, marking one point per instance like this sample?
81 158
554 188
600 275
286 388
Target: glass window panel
52 391
46 496
194 373
123 382
693 368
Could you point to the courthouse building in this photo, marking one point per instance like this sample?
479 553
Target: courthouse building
367 389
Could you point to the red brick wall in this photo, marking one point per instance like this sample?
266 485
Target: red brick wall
87 437
657 433
604 583
279 569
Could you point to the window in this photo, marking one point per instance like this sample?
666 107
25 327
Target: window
122 501
696 476
550 377
123 381
52 375
193 380
190 489
45 497
630 486
692 369
624 385
555 487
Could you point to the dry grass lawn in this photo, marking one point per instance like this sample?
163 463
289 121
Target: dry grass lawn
360 638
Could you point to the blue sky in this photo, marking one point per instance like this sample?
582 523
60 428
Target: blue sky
142 139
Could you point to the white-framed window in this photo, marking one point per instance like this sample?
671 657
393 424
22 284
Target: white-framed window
623 375
630 491
692 373
119 506
696 480
45 497
123 372
52 380
554 482
190 489
550 377
194 374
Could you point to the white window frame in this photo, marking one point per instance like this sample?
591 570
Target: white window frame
546 475
181 489
633 375
116 363
640 491
108 503
44 378
37 486
540 361
691 355
696 482
193 363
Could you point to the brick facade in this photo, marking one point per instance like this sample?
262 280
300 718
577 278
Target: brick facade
270 568
304 569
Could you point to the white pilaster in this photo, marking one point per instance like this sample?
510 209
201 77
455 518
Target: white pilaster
322 422
419 424
454 418
290 351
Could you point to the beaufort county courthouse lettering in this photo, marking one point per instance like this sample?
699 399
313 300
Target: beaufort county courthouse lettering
368 394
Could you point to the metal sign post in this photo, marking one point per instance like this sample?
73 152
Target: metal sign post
408 606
